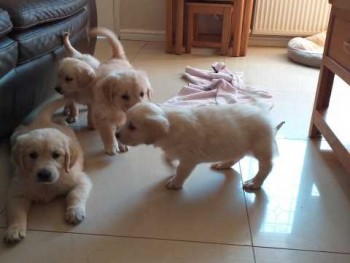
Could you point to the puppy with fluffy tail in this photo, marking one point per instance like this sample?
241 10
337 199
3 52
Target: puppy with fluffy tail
48 162
76 75
220 134
118 87
73 53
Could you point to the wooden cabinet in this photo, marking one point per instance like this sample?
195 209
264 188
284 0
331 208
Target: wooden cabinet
336 61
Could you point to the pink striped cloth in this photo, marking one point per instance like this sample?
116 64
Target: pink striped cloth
220 86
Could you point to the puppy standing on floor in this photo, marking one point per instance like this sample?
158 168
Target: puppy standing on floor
76 76
118 87
48 163
222 134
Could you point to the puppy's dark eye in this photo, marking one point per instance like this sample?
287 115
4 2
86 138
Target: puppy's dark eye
132 127
142 94
125 97
68 79
33 155
55 155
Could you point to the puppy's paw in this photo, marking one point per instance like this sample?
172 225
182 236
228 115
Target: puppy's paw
111 150
173 185
252 184
14 235
66 111
72 119
123 148
74 215
221 166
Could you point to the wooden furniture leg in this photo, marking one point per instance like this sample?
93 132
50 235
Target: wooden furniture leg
179 26
226 30
247 19
237 23
169 34
190 30
323 96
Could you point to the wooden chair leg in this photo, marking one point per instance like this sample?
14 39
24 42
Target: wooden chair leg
237 23
169 35
190 24
226 30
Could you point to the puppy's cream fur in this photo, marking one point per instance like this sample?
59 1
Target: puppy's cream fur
48 163
76 76
118 87
218 134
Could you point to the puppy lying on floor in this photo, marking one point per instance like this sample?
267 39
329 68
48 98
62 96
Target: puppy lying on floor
48 163
118 87
76 75
221 134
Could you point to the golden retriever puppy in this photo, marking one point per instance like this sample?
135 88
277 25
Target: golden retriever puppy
48 163
76 75
118 87
220 134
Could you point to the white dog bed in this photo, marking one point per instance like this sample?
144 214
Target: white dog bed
307 51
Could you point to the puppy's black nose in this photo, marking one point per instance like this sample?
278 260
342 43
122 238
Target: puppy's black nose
59 89
44 176
117 135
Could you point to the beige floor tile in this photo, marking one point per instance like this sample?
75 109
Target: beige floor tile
57 247
304 203
264 255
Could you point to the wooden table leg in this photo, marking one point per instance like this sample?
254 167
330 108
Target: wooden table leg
169 34
237 23
179 26
322 98
247 19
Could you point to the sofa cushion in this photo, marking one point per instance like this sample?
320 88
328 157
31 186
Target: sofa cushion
40 40
8 55
27 13
5 23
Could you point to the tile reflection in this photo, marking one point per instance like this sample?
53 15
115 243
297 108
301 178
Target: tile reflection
282 191
314 191
304 203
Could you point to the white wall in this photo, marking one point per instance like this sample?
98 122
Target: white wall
133 19
105 13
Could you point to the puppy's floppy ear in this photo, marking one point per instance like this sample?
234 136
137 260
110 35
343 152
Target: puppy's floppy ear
86 74
158 126
17 152
71 154
149 93
147 84
108 90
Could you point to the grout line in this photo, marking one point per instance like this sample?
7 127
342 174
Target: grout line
304 250
138 52
247 212
185 241
136 237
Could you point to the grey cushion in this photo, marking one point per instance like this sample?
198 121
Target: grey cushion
8 55
28 13
43 39
5 23
311 59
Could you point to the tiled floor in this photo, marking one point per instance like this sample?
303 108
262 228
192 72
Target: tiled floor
302 214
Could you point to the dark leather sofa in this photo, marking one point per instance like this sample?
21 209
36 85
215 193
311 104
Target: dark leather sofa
30 46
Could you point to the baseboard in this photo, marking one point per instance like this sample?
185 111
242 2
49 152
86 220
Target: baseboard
142 35
269 41
254 40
